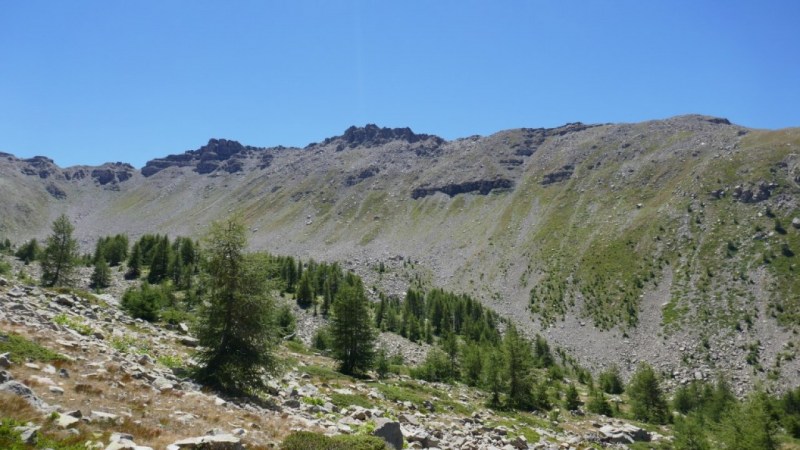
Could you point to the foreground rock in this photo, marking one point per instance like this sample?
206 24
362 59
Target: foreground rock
217 442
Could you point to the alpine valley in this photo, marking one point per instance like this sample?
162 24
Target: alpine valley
672 241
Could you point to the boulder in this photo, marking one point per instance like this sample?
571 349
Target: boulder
28 434
65 300
796 222
390 432
189 341
218 442
5 361
19 389
66 421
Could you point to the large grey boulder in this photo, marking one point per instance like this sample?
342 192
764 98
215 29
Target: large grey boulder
390 432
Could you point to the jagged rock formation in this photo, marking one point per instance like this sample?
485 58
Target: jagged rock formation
218 154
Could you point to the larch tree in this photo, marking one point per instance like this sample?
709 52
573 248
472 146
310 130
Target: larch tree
236 328
60 255
352 329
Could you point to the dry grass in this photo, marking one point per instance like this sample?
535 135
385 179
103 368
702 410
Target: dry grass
87 388
17 408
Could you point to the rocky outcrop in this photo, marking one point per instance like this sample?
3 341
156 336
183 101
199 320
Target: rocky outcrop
754 194
371 135
482 187
559 175
218 154
56 191
352 180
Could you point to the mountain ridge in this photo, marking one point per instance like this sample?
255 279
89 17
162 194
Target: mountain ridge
599 237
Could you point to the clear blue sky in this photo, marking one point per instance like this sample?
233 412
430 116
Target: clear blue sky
86 82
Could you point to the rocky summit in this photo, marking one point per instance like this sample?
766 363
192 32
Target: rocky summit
671 241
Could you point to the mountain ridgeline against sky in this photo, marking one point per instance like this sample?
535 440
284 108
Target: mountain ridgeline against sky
671 241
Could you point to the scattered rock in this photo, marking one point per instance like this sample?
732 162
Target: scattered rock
66 421
103 416
28 434
217 442
5 361
189 341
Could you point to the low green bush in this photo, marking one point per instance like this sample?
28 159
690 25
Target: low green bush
304 440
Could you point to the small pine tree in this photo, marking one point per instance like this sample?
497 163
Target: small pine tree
598 403
610 381
305 294
352 330
689 434
60 256
236 327
159 265
518 369
750 426
101 277
647 400
381 363
571 398
134 263
471 364
29 251
493 377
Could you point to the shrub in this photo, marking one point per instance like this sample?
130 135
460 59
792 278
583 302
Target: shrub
145 302
610 381
304 440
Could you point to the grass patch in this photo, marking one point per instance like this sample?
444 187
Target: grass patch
47 439
22 349
304 440
297 347
345 400
129 344
401 394
325 374
171 361
75 324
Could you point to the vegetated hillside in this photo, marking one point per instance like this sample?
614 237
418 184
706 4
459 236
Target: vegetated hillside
670 241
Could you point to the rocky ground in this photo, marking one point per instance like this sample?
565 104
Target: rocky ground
122 384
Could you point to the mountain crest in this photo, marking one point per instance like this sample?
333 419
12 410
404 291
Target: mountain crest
372 135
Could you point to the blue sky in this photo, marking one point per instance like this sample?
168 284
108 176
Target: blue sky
86 82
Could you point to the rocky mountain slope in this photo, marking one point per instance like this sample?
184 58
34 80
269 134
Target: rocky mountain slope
82 373
671 241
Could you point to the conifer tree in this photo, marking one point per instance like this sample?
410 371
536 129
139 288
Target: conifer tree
29 251
518 367
305 293
134 263
571 398
647 400
236 328
352 329
60 256
159 265
101 277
